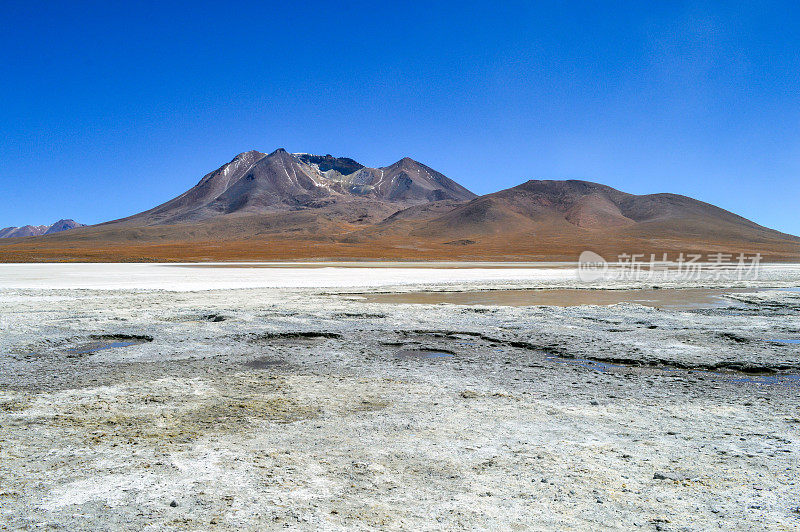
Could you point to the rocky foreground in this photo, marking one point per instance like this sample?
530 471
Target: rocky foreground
272 408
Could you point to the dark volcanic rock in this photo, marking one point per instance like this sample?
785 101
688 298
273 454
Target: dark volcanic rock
343 165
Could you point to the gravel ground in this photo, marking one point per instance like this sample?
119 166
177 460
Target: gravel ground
260 408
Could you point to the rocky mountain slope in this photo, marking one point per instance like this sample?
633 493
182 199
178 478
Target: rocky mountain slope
256 183
38 230
583 207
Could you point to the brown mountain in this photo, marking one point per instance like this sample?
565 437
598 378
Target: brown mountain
562 218
582 207
292 206
256 183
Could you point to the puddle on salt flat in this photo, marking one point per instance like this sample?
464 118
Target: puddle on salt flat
108 343
771 379
679 299
91 348
785 340
422 353
604 367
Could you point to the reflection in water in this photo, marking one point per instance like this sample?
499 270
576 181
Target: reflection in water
771 379
684 298
91 348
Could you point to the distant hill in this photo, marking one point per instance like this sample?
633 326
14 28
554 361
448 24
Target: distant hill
301 206
581 207
38 230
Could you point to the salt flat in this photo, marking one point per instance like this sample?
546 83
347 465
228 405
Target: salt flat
187 277
215 276
146 396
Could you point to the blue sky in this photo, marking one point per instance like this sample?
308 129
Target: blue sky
109 110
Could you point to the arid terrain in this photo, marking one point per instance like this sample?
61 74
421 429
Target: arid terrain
400 266
173 397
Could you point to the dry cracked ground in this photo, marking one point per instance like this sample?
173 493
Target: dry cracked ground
262 408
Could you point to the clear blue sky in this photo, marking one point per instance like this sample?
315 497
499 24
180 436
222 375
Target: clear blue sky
108 110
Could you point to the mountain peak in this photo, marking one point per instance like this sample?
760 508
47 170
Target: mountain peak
39 230
257 183
62 225
405 162
248 154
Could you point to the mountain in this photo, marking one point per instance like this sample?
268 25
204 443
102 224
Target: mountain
38 230
548 219
63 225
257 183
582 207
283 205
